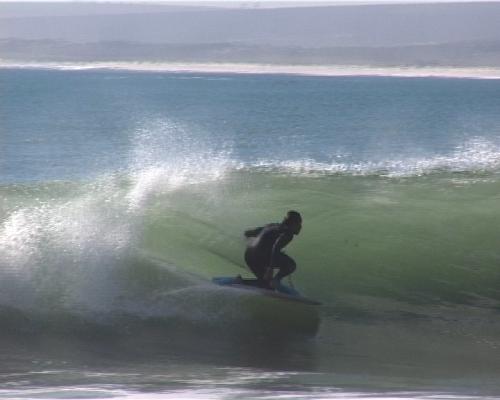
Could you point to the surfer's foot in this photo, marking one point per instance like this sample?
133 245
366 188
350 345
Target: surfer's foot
274 283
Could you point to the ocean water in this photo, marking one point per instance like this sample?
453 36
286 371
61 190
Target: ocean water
123 193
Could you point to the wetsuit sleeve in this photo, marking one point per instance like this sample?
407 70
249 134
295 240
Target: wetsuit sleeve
253 232
280 242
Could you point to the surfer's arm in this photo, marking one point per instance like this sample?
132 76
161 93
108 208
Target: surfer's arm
253 232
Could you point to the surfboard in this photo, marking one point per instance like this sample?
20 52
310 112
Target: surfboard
281 292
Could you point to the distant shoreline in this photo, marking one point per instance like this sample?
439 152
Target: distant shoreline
247 68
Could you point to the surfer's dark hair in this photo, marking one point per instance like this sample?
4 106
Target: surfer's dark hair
292 217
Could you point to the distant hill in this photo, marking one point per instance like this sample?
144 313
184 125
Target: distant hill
419 35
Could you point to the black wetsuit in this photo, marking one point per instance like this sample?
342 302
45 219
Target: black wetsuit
264 250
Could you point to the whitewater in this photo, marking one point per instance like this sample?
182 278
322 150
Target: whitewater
123 193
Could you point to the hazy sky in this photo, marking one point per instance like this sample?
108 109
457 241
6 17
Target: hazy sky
312 27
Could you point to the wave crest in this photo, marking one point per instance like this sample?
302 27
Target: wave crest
474 156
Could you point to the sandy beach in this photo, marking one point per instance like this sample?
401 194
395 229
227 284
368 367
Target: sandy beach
245 68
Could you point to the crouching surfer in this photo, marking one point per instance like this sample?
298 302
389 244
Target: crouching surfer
264 249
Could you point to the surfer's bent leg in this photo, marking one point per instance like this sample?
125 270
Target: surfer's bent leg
255 264
286 266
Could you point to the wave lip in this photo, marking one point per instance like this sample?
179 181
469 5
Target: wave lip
477 155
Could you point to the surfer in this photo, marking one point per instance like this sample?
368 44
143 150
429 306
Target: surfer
264 250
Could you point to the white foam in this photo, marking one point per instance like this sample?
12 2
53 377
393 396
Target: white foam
475 155
64 248
254 68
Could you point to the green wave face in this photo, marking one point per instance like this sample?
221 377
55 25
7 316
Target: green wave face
418 239
398 263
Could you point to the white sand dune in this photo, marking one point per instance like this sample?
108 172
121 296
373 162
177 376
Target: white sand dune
245 68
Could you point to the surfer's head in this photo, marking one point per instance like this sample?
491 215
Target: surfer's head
293 221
